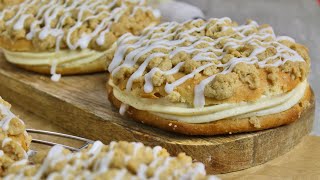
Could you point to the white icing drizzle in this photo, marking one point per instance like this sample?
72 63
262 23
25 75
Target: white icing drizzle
142 171
171 36
55 77
120 174
170 87
7 117
21 162
148 86
51 11
20 23
99 162
141 69
6 141
123 109
95 148
162 168
58 11
53 154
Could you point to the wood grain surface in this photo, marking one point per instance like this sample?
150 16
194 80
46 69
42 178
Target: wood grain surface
79 105
302 162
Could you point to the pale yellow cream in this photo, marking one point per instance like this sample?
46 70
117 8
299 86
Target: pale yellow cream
180 112
62 57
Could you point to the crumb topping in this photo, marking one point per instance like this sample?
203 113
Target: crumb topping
14 140
222 87
118 160
75 24
255 122
215 58
7 3
247 74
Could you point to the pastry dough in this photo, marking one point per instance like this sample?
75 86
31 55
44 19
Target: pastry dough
200 72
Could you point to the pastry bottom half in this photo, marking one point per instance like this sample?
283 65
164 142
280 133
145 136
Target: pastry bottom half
98 65
224 126
65 62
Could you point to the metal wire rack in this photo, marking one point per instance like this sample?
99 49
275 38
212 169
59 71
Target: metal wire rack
86 142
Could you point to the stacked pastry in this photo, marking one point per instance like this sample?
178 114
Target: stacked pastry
210 77
14 140
120 160
69 36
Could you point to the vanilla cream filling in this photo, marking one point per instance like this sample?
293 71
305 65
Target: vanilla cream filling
62 57
183 113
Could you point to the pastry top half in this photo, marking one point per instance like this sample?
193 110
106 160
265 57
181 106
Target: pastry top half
201 67
69 36
118 160
49 25
14 140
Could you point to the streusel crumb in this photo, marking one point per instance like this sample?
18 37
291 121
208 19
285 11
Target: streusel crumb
222 87
14 140
121 160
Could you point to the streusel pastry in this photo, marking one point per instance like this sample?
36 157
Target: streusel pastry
6 3
69 36
120 160
14 140
210 77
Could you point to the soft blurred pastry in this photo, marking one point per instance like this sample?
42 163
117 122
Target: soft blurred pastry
14 140
118 160
210 77
69 36
6 3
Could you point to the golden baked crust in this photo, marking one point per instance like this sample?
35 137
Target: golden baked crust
14 139
118 160
217 59
224 126
98 65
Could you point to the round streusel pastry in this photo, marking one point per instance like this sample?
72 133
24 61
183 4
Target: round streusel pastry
69 36
118 160
14 139
210 77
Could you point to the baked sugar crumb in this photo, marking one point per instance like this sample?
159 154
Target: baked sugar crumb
14 140
255 122
118 160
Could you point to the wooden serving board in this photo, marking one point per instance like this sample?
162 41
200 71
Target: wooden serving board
79 105
302 162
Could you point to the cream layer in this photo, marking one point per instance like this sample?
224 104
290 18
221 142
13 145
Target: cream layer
181 112
62 57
